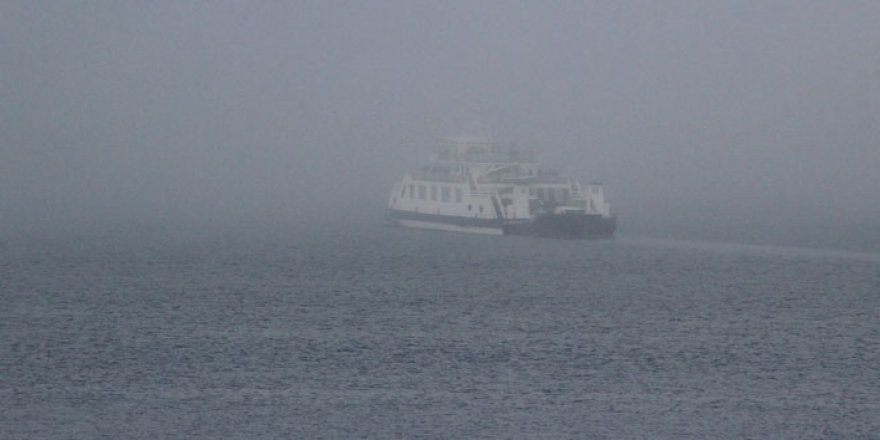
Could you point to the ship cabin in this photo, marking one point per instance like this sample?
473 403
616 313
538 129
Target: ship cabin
473 177
472 184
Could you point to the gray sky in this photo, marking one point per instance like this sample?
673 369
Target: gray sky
756 111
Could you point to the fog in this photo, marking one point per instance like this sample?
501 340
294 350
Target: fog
193 113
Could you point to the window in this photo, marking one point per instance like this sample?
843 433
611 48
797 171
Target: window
433 192
457 195
412 194
444 194
403 192
470 208
481 208
541 193
422 192
565 194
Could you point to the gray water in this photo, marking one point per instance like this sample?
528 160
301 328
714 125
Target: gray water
365 331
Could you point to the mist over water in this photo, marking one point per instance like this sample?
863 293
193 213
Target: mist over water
696 115
192 195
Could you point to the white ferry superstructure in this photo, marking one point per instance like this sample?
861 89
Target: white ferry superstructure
472 185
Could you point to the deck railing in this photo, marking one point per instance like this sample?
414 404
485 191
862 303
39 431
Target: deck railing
488 156
438 177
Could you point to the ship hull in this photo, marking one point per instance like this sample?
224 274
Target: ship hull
577 226
439 222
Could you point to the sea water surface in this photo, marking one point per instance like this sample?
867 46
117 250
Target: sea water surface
367 331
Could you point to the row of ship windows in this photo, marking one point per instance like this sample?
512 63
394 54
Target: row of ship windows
421 192
550 194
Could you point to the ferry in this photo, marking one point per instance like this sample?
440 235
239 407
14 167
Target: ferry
473 185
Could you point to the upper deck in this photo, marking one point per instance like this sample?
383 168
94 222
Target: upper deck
480 150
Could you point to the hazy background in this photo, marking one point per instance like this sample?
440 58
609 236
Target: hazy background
698 115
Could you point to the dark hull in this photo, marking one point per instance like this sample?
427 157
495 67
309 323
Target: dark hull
551 226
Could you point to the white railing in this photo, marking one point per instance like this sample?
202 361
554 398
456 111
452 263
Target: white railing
483 194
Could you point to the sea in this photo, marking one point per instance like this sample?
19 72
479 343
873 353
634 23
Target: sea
361 330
